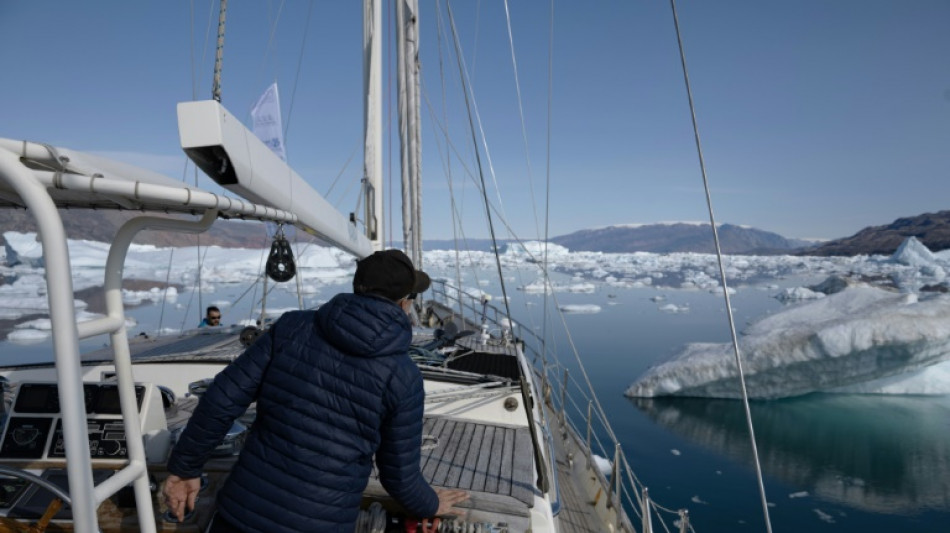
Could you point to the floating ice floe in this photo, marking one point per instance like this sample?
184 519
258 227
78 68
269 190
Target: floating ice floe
538 287
719 291
35 304
603 464
581 288
824 517
859 335
45 324
27 336
798 293
155 294
580 308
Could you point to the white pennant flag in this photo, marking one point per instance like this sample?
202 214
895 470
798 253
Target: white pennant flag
267 127
266 117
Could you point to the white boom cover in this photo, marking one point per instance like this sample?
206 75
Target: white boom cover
237 160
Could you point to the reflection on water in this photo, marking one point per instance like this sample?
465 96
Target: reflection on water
879 454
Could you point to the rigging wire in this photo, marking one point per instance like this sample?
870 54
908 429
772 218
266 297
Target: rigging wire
456 211
722 272
491 228
289 114
200 261
293 92
270 43
168 275
259 280
490 207
456 216
472 106
456 227
342 171
286 124
524 138
195 289
298 274
545 278
478 185
524 130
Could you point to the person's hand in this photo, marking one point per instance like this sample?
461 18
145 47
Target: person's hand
448 498
180 493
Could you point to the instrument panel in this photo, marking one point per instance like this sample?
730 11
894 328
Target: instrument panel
34 429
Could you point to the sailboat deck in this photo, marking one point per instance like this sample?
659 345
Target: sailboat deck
491 461
576 515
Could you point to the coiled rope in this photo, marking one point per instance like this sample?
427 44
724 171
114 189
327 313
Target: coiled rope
372 520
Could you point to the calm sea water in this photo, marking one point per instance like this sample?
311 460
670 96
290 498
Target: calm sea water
831 462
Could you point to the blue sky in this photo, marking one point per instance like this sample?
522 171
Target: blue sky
817 118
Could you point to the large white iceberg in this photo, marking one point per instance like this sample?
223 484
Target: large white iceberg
859 335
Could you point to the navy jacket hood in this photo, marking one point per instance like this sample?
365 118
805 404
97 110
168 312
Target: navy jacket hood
342 322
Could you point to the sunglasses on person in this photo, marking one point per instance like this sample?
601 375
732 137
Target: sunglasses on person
214 317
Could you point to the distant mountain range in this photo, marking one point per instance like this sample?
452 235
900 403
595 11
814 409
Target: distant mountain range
932 229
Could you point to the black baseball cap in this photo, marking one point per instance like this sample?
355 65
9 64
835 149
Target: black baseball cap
389 273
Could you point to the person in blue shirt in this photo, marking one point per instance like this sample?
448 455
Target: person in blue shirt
335 389
212 317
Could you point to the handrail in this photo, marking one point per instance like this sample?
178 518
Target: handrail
112 287
35 189
623 485
65 338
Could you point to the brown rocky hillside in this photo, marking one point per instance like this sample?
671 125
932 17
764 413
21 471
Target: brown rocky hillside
931 229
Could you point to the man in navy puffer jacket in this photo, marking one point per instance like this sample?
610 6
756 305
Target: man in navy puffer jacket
334 387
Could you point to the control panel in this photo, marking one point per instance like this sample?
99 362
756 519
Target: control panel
34 427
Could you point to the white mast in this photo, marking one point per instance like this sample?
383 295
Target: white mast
372 125
407 20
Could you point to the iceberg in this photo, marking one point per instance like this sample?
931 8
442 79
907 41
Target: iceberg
534 251
23 248
799 293
861 334
912 252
